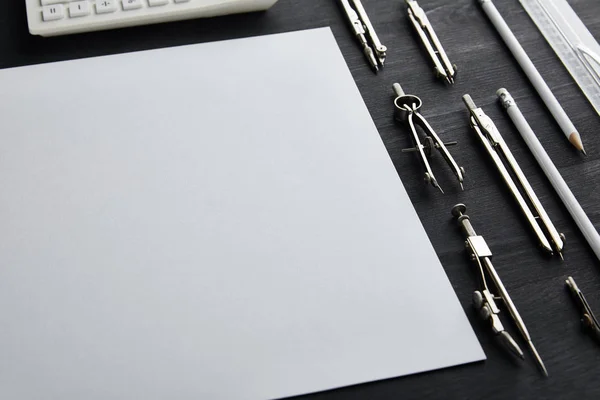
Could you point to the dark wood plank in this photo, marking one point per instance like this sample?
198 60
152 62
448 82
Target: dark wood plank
535 282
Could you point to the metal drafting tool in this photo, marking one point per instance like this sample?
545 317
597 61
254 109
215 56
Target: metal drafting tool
496 147
407 110
558 182
588 319
374 51
572 42
484 300
443 67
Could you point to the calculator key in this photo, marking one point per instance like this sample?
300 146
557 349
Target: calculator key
153 3
54 12
106 6
79 9
182 1
132 4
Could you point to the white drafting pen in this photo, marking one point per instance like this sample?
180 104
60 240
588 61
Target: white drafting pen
557 181
532 73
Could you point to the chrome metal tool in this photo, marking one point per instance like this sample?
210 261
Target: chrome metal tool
443 67
588 319
374 51
496 147
407 110
484 300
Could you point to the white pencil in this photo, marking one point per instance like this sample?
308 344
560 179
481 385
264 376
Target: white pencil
532 73
557 181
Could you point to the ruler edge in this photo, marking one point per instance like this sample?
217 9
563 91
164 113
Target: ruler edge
590 94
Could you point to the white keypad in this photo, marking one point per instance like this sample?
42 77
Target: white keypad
106 6
53 12
61 17
154 3
132 4
79 9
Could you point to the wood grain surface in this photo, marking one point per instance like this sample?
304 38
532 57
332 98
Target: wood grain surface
535 282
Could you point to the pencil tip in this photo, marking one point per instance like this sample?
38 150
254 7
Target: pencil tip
584 153
575 140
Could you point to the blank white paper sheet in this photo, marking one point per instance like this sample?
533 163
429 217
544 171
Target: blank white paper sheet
215 221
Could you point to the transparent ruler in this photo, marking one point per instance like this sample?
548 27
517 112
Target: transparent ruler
572 42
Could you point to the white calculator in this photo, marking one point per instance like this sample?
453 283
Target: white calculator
61 17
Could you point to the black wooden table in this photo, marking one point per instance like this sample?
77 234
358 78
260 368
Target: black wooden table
535 282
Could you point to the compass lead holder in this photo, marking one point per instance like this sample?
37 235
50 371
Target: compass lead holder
498 150
443 67
407 110
484 300
373 49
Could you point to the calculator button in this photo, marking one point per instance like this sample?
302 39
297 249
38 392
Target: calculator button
54 12
181 1
132 4
106 6
153 3
79 9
